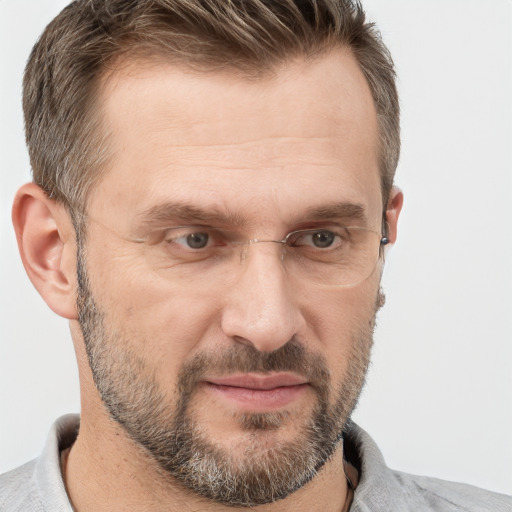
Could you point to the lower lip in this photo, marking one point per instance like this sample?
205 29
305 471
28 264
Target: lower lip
259 399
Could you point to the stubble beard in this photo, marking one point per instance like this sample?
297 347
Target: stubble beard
265 471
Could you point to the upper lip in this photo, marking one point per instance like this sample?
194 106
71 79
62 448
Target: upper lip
258 381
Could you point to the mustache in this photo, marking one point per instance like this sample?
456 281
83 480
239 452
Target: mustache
291 357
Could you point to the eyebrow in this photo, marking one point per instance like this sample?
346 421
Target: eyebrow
167 212
338 211
163 214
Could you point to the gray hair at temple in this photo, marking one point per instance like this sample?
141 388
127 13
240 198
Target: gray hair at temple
67 138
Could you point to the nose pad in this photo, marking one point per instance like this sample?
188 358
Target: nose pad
244 252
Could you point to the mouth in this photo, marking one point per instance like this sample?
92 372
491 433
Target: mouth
258 393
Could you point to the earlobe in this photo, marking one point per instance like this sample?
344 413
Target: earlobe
394 206
46 241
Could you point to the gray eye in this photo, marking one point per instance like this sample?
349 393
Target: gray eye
197 240
323 239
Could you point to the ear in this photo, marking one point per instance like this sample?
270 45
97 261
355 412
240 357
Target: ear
394 207
46 241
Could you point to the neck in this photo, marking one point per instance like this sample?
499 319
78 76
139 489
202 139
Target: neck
108 471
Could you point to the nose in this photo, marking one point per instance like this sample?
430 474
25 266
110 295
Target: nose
261 308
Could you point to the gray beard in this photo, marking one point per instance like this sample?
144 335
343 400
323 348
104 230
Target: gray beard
169 435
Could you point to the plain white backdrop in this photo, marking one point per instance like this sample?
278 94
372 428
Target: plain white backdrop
439 394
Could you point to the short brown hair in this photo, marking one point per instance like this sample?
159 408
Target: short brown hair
67 144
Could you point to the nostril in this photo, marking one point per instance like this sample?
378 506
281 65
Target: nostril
242 341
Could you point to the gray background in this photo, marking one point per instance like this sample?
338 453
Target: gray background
439 393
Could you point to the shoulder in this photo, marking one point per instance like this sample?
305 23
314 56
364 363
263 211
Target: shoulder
433 494
18 490
383 489
38 486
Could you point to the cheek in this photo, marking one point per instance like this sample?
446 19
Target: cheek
165 323
341 322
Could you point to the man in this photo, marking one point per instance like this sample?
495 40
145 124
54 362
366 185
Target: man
212 202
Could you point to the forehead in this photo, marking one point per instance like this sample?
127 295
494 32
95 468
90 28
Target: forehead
304 134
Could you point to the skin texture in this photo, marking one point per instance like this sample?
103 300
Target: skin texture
262 154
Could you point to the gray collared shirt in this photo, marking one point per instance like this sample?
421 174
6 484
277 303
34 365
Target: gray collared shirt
38 486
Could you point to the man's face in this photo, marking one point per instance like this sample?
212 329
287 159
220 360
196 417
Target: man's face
237 375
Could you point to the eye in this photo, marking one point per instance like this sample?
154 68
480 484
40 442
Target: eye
195 240
323 239
319 239
191 238
192 244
